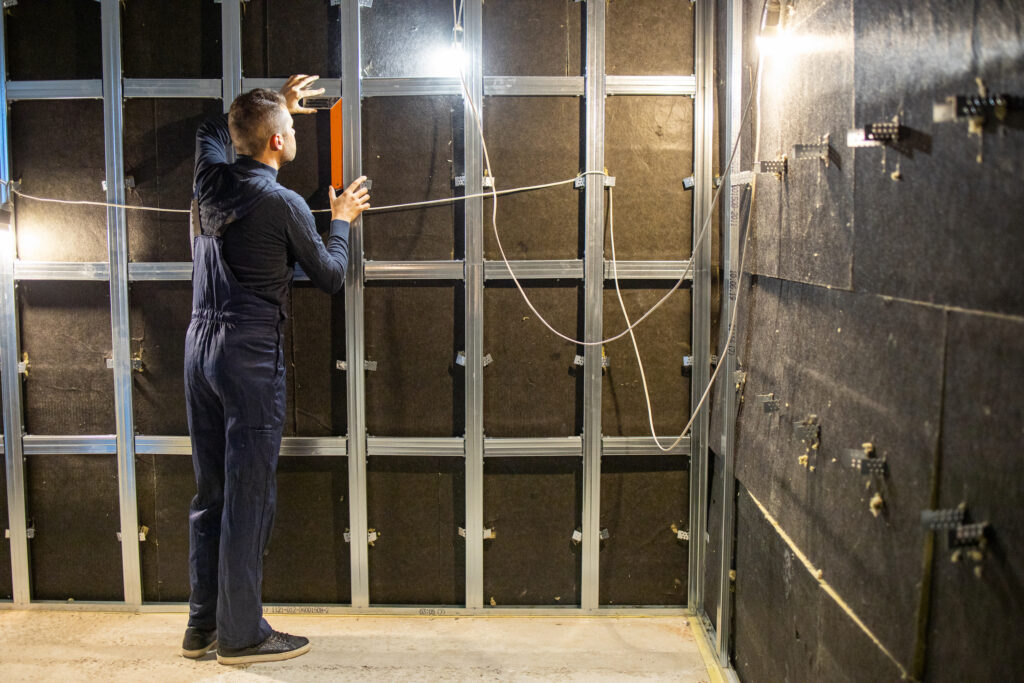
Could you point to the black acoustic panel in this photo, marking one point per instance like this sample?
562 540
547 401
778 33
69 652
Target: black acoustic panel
531 141
408 154
295 37
160 315
533 387
879 382
159 155
73 506
713 549
57 152
65 330
6 581
402 41
318 406
53 39
649 37
649 150
416 505
165 485
411 334
663 339
309 174
151 31
810 209
533 505
786 627
533 38
934 224
308 559
643 562
977 603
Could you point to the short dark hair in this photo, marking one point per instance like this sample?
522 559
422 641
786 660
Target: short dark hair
253 118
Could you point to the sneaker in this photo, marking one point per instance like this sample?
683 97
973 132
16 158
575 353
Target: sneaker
198 642
276 647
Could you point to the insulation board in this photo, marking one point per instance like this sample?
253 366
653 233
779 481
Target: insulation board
65 330
295 37
315 342
151 30
532 388
533 505
548 39
57 152
165 486
532 141
160 316
408 154
403 41
649 37
53 40
73 506
416 505
6 589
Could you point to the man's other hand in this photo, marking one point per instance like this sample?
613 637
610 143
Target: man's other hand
349 204
297 88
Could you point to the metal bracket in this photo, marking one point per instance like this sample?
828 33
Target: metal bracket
688 361
808 430
320 102
769 402
580 182
958 107
577 536
29 532
460 359
364 3
372 536
739 378
9 3
489 533
24 365
820 150
865 461
143 532
341 365
604 535
488 181
368 365
874 134
777 167
960 533
137 364
681 534
689 182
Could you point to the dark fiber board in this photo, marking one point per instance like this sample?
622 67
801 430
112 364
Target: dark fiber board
663 339
957 239
982 429
408 154
642 561
533 38
871 371
72 503
649 150
317 405
65 330
533 505
5 544
786 627
308 559
534 140
649 37
401 39
159 153
815 214
53 39
57 152
166 485
416 505
533 387
713 547
416 390
295 37
171 40
160 315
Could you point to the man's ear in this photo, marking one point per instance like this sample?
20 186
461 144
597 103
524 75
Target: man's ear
276 142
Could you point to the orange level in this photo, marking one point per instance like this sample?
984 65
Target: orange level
337 147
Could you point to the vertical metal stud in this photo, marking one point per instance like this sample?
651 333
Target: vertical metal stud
472 44
117 245
231 46
11 379
351 91
593 292
731 281
703 120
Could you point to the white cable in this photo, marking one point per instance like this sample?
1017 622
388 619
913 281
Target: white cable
82 202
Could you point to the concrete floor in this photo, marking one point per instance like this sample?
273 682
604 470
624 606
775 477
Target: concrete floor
41 645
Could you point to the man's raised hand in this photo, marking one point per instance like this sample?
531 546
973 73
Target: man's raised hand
349 204
297 88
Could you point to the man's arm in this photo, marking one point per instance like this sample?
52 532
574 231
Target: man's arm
212 143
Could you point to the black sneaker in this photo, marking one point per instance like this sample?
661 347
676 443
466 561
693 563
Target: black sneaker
197 642
276 647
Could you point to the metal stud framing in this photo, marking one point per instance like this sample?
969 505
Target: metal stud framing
473 271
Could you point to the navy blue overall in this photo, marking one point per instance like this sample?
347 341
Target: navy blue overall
235 397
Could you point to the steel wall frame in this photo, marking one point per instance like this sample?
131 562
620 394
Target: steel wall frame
593 269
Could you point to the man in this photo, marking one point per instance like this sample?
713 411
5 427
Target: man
251 231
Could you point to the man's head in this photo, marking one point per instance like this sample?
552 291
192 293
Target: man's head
261 126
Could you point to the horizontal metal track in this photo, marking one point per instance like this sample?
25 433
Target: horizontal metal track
454 447
651 85
641 445
568 611
648 270
209 88
55 90
104 444
571 86
385 87
534 270
168 271
414 270
331 86
571 446
55 270
170 445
